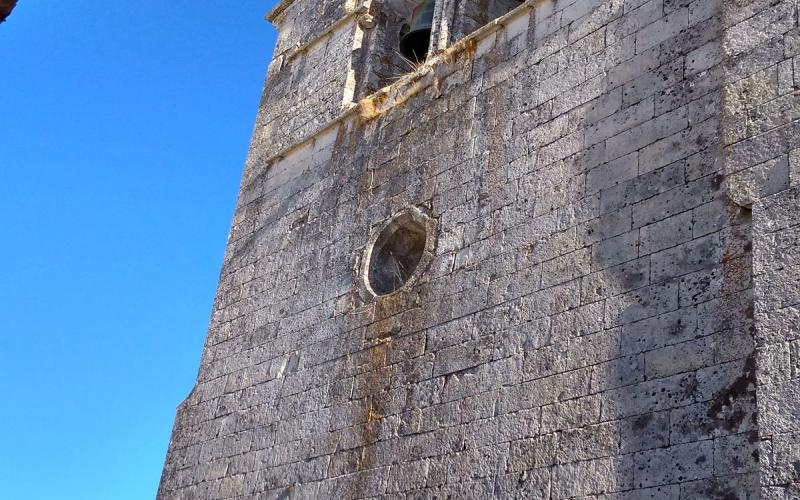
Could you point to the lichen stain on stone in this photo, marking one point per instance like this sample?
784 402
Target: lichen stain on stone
466 49
389 305
741 388
373 415
373 418
370 107
642 421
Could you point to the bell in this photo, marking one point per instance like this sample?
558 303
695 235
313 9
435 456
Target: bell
414 44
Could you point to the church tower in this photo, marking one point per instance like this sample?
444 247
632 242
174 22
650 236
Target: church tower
510 249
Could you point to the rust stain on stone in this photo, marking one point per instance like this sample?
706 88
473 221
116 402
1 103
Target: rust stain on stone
372 414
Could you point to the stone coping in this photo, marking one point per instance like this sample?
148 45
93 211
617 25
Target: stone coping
350 16
278 10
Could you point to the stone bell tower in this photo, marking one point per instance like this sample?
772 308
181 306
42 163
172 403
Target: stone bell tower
510 249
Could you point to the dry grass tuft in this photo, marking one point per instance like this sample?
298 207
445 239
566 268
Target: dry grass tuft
370 107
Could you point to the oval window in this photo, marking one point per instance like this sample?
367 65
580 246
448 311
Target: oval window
396 253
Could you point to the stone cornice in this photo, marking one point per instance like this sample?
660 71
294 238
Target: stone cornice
292 52
278 10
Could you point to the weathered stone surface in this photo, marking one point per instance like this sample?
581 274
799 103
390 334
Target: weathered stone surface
608 306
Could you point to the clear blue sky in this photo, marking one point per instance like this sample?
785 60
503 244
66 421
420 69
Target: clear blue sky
123 130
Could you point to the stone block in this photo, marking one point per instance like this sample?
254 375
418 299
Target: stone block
596 441
532 453
678 463
591 477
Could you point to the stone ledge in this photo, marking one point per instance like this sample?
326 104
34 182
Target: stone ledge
278 10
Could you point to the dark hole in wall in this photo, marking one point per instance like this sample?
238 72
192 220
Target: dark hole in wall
396 254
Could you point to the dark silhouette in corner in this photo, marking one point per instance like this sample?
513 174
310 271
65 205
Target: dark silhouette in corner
6 6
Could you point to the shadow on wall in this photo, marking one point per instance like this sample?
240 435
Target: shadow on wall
675 364
659 395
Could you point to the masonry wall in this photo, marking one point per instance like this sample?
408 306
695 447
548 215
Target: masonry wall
587 327
762 104
304 91
777 293
469 15
301 22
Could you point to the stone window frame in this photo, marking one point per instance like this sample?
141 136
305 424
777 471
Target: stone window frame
421 216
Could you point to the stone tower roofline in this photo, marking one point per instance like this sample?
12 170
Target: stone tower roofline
435 69
351 13
272 15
